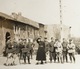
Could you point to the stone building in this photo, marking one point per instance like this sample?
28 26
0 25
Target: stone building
16 26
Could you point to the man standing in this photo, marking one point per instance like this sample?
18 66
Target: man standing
15 50
64 45
26 52
46 47
58 50
71 50
9 52
21 46
51 49
30 44
41 56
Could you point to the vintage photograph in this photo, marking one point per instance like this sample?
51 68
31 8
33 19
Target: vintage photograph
39 34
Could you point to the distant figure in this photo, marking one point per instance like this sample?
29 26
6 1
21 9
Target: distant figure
54 51
46 43
21 46
58 50
71 50
26 52
41 56
15 51
9 52
30 44
51 49
65 51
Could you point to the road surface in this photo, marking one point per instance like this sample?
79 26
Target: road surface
48 65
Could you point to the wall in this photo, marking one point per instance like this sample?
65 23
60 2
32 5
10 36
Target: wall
41 30
5 26
17 30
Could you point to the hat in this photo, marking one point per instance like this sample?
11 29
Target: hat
70 39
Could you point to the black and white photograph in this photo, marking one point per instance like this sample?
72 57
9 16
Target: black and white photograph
39 34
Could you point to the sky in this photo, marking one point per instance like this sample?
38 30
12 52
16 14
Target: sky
46 11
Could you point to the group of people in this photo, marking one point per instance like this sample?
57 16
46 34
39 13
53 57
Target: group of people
21 49
58 51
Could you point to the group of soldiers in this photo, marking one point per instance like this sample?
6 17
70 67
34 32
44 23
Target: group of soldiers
21 49
58 51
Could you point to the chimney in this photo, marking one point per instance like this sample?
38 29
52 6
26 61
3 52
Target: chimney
14 15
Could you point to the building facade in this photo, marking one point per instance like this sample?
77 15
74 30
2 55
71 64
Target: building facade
18 27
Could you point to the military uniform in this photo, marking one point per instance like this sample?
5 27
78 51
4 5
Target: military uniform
46 46
26 53
51 50
9 52
21 46
71 51
15 51
65 51
30 45
59 51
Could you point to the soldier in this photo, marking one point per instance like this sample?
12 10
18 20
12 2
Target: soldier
15 50
26 51
9 52
54 51
58 50
51 49
30 44
71 50
46 47
20 45
65 51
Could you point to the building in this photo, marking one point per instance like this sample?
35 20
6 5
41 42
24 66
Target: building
16 26
41 30
58 31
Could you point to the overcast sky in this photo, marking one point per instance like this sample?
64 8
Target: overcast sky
46 11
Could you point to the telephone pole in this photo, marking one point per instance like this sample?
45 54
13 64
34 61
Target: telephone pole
61 22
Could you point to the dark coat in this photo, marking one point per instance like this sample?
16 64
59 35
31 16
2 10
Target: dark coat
9 47
30 46
46 46
64 45
21 46
41 51
51 46
15 47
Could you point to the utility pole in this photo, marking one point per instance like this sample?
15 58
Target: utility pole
61 22
60 6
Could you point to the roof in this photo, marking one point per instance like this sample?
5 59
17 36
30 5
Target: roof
41 24
28 21
5 16
20 19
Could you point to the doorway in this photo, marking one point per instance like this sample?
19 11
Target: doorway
7 37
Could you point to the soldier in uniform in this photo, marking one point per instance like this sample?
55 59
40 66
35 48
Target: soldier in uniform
58 50
26 52
30 44
9 52
65 51
20 46
51 49
54 51
71 50
15 50
46 47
